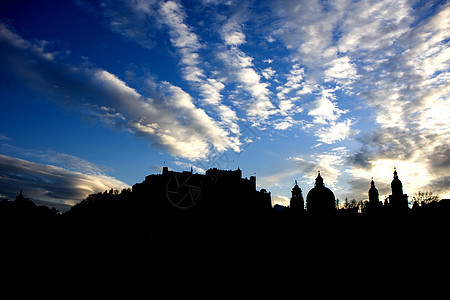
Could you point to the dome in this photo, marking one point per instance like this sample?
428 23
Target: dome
320 199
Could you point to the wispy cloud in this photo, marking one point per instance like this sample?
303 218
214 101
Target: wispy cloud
135 20
64 160
191 134
55 185
259 108
187 43
409 98
392 56
329 163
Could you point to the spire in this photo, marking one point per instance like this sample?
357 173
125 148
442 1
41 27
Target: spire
319 179
373 190
373 206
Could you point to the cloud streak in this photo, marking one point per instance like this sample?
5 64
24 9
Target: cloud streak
169 117
56 186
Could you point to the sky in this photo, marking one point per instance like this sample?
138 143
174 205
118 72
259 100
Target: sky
96 95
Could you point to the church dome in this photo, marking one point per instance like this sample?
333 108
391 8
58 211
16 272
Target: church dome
320 199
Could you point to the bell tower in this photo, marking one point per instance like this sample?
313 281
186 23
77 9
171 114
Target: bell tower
373 193
398 202
297 201
396 185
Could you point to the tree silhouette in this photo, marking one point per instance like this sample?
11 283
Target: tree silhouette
424 197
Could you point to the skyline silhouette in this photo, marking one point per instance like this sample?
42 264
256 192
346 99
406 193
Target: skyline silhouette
226 190
177 220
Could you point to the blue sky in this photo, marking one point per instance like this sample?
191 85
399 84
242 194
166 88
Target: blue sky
98 94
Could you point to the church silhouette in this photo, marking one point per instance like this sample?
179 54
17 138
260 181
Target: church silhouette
320 201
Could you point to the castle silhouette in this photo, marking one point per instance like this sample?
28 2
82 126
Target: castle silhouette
215 192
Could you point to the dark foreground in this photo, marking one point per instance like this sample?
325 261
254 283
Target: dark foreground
221 241
125 241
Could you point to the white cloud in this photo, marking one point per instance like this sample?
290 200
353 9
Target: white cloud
268 73
328 163
183 38
285 106
342 70
181 34
260 107
371 25
294 82
325 109
335 132
283 125
307 29
187 42
286 122
232 33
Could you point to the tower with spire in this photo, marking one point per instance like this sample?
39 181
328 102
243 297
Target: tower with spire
398 202
373 193
374 205
297 203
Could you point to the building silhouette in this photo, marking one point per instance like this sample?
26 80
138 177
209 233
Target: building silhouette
398 202
374 205
217 191
297 203
320 200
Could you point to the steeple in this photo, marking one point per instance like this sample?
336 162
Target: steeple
373 207
319 179
297 201
396 184
373 193
398 201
